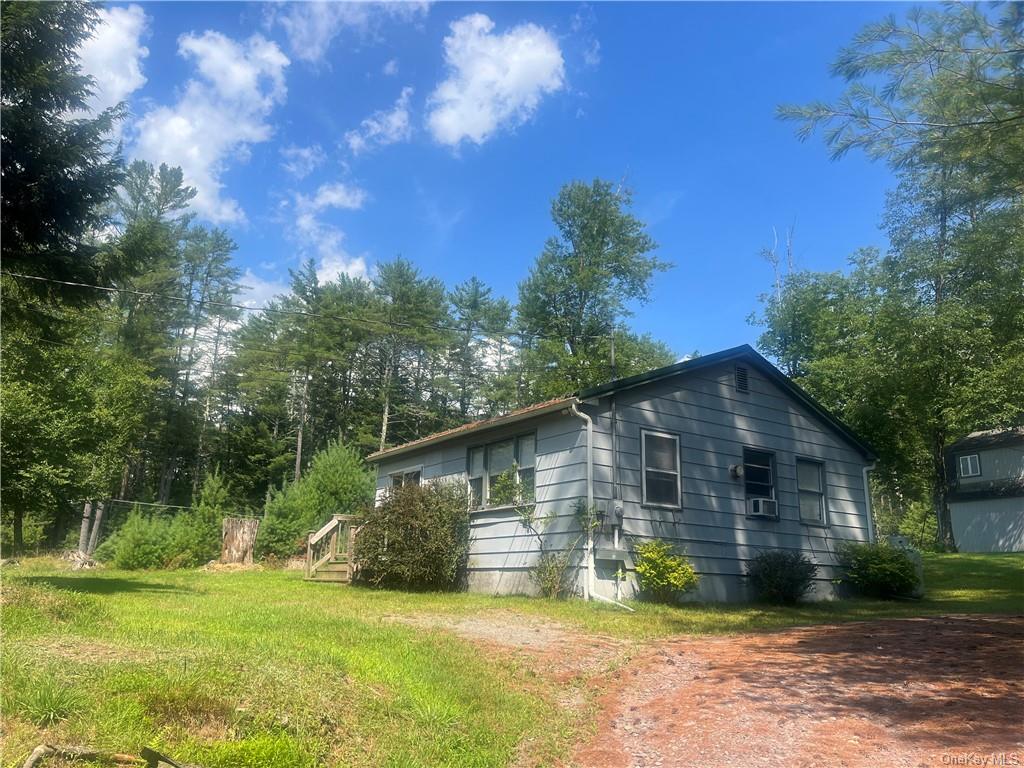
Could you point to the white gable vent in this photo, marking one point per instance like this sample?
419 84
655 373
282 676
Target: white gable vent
742 380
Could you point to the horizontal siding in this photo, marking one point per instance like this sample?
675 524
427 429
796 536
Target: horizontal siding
714 424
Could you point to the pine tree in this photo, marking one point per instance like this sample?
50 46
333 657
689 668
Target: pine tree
59 166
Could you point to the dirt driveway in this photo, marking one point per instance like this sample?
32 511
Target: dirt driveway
917 692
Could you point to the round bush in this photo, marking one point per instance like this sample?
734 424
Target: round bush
663 576
878 570
417 537
781 576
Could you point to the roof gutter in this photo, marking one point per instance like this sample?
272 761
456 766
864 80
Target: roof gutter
442 437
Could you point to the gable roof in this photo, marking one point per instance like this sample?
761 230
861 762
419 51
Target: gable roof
988 438
749 355
744 352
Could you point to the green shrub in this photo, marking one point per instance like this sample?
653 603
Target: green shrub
877 570
337 482
663 576
781 576
416 538
196 534
143 542
552 573
33 534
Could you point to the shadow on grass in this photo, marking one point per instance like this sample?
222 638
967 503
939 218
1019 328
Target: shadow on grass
99 585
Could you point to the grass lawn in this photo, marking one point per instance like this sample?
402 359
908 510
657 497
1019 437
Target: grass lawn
259 668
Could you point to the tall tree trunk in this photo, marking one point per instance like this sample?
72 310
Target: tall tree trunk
18 544
167 478
940 485
94 537
302 424
201 444
83 533
385 411
125 476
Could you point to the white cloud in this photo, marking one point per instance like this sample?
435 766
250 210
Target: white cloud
257 292
218 115
390 67
312 26
323 241
335 195
592 54
113 55
494 80
302 161
383 127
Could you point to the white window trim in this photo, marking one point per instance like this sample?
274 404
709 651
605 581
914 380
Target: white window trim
823 475
485 478
404 471
969 456
643 469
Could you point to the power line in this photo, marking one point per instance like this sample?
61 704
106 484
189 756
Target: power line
232 346
500 333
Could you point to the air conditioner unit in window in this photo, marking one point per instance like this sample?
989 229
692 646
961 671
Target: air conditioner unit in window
763 508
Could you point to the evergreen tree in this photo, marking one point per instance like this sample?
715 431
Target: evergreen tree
479 343
58 163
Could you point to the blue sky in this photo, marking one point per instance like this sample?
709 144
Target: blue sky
354 133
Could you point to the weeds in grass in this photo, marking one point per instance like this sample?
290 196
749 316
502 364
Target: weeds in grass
48 702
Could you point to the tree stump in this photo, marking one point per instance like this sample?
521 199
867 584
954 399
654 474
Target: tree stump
238 537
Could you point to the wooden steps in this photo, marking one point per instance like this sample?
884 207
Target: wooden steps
330 550
334 570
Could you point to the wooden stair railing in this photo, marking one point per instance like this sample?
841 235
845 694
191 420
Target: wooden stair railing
331 547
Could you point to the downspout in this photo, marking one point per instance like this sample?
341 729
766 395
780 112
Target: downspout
867 501
588 585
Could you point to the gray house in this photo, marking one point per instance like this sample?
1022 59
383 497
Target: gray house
986 493
722 455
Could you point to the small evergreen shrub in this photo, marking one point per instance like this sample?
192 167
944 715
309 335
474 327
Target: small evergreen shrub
196 534
141 543
663 576
551 573
336 482
877 570
781 576
416 538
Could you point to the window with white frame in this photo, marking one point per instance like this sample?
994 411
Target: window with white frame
406 477
503 468
660 458
810 482
970 465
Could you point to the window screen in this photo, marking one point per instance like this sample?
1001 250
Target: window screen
486 463
412 477
810 481
759 473
661 469
526 450
476 477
